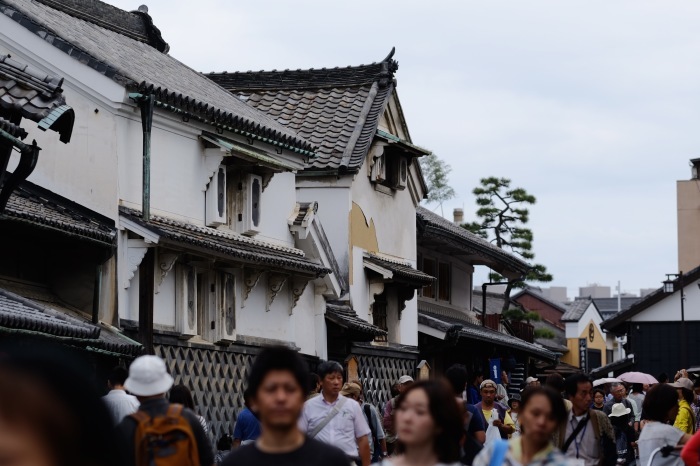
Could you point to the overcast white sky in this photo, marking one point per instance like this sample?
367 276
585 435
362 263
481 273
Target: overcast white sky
592 106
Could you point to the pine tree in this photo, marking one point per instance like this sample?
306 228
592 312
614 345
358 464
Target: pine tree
504 215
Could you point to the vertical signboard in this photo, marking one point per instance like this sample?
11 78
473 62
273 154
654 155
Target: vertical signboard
583 354
495 370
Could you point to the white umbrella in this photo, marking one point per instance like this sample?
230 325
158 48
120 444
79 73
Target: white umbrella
605 380
638 377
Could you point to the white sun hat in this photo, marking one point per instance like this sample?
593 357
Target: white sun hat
618 410
148 376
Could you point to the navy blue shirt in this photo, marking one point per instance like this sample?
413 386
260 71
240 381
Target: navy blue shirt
247 426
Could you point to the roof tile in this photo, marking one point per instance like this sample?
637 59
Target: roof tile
236 246
336 104
137 65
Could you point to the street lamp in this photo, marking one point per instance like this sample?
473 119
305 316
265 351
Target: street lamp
669 288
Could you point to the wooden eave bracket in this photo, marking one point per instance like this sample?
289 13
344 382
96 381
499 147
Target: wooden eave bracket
275 282
298 285
250 279
166 261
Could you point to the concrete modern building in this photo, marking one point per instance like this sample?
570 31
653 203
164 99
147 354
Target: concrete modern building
594 291
688 205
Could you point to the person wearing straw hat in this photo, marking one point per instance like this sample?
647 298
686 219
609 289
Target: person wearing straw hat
685 420
624 434
149 381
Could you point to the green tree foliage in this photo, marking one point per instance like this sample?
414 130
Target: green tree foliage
503 216
436 173
519 315
544 333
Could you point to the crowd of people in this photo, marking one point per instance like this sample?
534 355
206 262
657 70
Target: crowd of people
49 416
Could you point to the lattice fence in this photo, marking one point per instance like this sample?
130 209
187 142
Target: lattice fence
216 379
379 373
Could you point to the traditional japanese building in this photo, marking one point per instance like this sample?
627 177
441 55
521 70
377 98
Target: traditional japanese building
212 253
453 326
367 182
53 250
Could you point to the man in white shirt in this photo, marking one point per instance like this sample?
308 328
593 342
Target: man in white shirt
119 403
335 419
582 445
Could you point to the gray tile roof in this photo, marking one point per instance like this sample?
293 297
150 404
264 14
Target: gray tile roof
138 66
494 302
470 331
402 272
608 306
228 244
40 207
429 223
344 315
576 310
137 25
48 319
35 95
337 109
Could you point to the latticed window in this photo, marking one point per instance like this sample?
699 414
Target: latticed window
379 316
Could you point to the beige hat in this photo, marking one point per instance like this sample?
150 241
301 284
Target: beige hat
618 410
683 383
351 389
487 383
405 379
529 380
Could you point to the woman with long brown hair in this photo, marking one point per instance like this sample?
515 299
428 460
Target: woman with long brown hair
428 424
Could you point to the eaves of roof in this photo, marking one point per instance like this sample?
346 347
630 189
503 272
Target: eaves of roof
430 223
399 271
228 245
616 323
484 334
405 145
27 318
345 316
39 207
140 67
612 367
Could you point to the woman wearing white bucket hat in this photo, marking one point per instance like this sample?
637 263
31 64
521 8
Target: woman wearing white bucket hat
624 433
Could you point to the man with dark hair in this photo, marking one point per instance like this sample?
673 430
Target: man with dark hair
488 404
587 436
277 388
334 419
457 377
119 403
247 428
473 391
314 385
